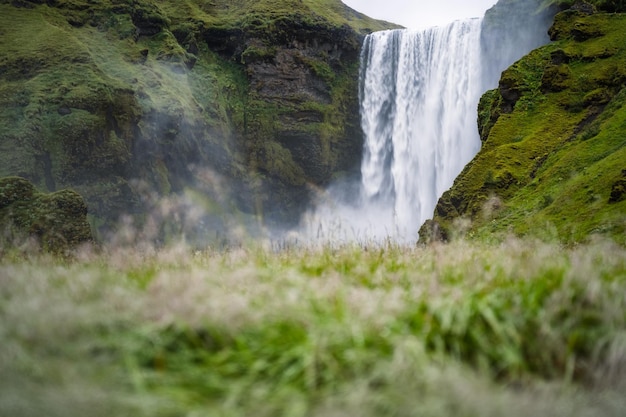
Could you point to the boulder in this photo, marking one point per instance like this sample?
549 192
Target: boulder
58 221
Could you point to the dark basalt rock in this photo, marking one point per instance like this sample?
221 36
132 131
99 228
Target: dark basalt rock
555 78
584 8
64 111
148 22
560 57
618 190
510 92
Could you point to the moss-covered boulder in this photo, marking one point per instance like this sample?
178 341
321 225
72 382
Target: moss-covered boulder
554 147
58 221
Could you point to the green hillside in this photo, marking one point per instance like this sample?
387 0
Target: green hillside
553 158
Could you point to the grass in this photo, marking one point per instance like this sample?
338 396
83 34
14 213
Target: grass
464 329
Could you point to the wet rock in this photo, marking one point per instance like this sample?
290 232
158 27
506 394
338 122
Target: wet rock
64 110
555 78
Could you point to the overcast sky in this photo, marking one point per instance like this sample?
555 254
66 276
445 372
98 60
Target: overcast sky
420 14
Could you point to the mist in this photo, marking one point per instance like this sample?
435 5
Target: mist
511 30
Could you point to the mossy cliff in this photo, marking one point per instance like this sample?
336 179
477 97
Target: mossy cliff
125 100
553 157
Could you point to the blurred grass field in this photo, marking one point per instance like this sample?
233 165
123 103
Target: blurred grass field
515 328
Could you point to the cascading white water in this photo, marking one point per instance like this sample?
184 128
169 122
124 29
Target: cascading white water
419 93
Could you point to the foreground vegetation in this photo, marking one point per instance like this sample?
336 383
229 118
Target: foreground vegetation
516 328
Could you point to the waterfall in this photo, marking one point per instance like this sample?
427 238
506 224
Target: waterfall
419 92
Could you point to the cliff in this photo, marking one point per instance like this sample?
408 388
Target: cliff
246 104
552 158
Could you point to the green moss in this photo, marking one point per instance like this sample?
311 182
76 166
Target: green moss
15 189
260 14
488 112
278 162
258 53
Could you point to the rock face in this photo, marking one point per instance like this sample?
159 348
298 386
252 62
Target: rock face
246 103
301 123
553 149
57 220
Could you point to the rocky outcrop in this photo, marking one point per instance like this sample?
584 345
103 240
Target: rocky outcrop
618 190
57 221
301 117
